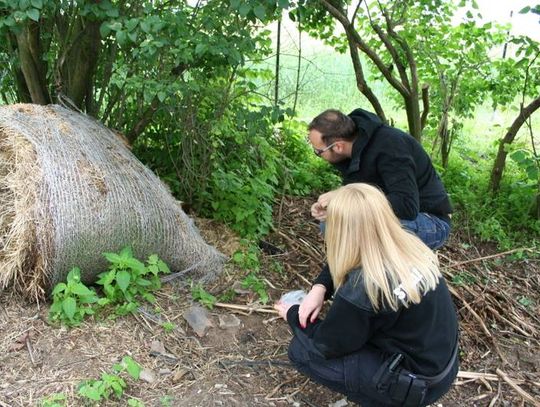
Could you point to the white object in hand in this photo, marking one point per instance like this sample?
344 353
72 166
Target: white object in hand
293 297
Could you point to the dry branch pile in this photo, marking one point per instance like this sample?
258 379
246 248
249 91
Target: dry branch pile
71 190
497 299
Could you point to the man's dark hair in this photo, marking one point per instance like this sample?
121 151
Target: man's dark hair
333 125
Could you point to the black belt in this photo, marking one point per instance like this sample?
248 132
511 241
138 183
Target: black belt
434 380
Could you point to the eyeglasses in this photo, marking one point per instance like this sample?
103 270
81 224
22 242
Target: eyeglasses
318 151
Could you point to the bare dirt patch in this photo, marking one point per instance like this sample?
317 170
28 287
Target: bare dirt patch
497 299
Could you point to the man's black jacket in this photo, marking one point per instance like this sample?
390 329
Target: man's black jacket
395 162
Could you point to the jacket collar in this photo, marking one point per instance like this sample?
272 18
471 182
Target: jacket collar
367 124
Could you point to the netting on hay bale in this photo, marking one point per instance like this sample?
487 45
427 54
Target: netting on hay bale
70 190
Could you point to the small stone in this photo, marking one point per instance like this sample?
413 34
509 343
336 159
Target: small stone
148 375
239 289
164 372
339 403
229 321
157 347
198 319
178 375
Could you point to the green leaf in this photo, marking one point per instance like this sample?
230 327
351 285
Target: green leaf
143 282
89 299
121 37
123 278
132 24
146 26
126 252
136 265
103 301
74 275
201 48
284 4
33 14
91 390
163 267
161 96
525 10
81 290
37 3
104 30
113 258
112 12
260 12
106 277
70 307
132 367
58 288
244 9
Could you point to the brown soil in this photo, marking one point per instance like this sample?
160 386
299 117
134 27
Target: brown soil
498 300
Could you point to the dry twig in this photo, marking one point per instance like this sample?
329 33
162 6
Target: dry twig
515 386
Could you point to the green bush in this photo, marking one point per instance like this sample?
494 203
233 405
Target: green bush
504 218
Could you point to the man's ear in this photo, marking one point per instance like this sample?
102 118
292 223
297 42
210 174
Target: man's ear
340 147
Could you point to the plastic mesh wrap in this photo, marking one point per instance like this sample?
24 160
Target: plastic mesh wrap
70 190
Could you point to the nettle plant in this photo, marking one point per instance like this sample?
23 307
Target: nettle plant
111 384
128 279
72 300
126 282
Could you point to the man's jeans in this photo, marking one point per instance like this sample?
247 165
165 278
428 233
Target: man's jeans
432 230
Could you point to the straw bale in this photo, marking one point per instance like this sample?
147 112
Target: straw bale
70 190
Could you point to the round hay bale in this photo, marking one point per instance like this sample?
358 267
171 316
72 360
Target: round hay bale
70 190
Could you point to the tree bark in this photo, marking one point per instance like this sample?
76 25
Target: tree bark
278 53
147 116
500 159
361 81
32 66
82 62
412 107
425 104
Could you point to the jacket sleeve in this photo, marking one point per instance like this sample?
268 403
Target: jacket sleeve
325 278
345 329
398 174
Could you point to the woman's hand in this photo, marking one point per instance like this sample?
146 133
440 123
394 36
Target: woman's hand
318 209
311 305
282 309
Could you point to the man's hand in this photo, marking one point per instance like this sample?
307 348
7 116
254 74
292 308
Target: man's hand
282 309
318 209
311 305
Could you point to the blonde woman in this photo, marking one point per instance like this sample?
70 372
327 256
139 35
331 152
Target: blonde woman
390 336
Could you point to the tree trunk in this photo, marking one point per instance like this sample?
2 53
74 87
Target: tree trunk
500 160
81 63
443 136
361 81
278 52
298 67
412 107
32 66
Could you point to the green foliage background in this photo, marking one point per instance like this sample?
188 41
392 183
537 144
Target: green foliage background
191 86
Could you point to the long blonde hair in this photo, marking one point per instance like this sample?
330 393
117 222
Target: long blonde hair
362 231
